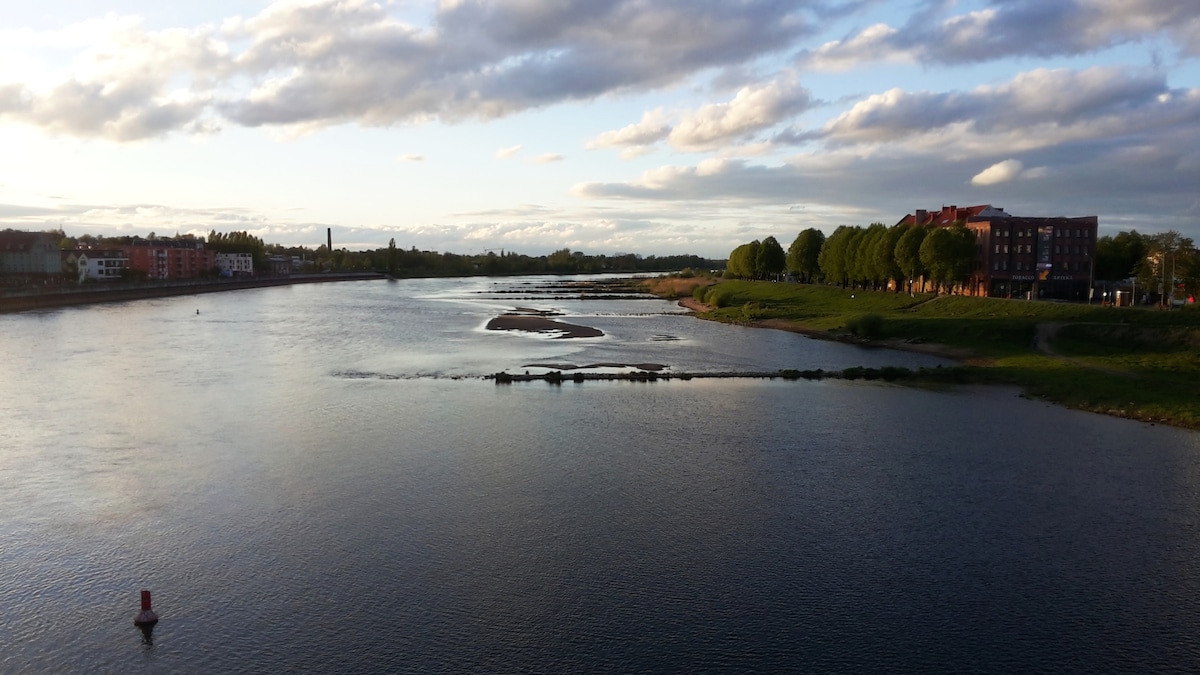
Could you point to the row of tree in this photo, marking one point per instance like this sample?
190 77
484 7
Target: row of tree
878 256
412 262
1165 259
875 256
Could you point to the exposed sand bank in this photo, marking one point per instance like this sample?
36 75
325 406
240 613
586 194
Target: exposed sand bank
541 324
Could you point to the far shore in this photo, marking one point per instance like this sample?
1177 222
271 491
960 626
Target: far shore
67 296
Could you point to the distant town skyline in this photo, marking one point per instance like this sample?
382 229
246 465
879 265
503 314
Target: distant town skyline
657 127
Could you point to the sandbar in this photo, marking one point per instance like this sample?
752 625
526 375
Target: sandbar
540 324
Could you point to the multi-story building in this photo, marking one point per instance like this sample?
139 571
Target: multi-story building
235 264
101 264
29 254
169 258
1049 258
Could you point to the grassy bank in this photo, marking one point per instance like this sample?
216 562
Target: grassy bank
1142 363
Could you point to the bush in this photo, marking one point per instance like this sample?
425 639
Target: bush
867 325
698 293
718 297
751 311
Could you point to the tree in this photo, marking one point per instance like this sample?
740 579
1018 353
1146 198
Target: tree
832 259
742 261
1164 251
884 255
1118 257
850 256
803 253
948 253
866 268
908 254
771 259
392 257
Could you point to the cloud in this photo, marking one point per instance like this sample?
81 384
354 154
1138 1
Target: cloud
508 153
325 62
753 109
547 158
715 126
127 84
1010 28
1034 109
637 138
1050 142
1000 172
412 158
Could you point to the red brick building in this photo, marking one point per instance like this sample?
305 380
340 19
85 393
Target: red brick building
170 259
1049 258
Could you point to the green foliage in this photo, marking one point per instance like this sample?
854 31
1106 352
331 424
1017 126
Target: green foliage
883 255
866 325
744 261
948 253
719 296
1118 257
802 255
771 259
832 258
908 253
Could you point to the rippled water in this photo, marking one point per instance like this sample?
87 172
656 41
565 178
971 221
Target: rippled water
299 479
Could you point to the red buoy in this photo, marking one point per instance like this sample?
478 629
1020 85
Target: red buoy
146 617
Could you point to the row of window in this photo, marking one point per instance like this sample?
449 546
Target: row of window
1028 248
1021 266
1059 232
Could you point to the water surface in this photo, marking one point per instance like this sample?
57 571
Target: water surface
303 483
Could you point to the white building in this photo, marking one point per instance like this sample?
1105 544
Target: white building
101 264
235 264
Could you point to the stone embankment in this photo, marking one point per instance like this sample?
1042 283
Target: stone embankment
21 301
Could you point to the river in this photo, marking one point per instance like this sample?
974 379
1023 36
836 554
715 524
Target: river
318 478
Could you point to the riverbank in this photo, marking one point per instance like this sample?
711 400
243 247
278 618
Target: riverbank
123 292
1127 362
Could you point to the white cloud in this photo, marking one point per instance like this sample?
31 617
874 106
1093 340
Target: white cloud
1036 109
753 109
411 157
547 158
715 126
1014 28
508 153
1000 172
637 138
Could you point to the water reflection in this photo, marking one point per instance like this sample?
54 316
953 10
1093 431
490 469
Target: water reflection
227 459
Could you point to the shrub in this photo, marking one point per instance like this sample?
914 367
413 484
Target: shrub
751 311
866 325
718 297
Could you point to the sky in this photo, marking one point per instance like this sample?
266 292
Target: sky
656 127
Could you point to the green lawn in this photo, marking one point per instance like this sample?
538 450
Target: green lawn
1136 362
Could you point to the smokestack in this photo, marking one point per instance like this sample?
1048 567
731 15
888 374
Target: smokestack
329 238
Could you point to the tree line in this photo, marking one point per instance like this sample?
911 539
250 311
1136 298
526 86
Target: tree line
941 258
411 262
876 256
1166 259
